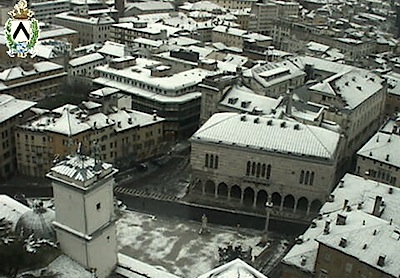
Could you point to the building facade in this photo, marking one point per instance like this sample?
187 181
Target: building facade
86 65
378 160
32 81
152 88
235 166
235 37
12 113
46 10
355 234
53 135
90 29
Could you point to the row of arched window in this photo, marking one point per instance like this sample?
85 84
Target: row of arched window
258 170
382 175
211 161
306 177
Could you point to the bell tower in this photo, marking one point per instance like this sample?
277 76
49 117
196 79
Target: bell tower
85 220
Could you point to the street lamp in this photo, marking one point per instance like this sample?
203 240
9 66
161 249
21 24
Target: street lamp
268 207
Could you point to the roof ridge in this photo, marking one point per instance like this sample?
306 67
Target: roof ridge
220 121
316 137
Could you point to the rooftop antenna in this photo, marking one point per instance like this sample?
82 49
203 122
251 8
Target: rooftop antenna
70 141
96 152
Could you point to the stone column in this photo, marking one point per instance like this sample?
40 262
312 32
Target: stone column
241 196
281 205
268 206
255 200
295 205
203 188
216 191
308 208
229 193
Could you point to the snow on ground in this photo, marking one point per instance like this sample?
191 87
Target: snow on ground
176 245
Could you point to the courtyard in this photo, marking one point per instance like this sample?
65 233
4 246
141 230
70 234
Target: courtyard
176 245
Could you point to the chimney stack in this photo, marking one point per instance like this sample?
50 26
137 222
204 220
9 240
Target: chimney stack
377 206
289 102
327 226
381 260
346 202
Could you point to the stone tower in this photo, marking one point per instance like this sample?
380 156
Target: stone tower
85 220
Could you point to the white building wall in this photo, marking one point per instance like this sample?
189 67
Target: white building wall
73 246
69 202
103 252
99 206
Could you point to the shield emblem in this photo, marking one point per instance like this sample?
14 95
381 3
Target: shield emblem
21 30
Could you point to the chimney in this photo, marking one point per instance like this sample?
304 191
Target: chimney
341 219
130 120
154 115
343 242
289 102
346 202
377 206
303 260
327 227
387 157
381 260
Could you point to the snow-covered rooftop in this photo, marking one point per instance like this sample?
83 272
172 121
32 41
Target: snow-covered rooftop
317 47
80 170
149 6
132 268
367 244
127 118
11 107
393 80
142 74
382 147
11 209
360 194
19 72
89 58
304 254
275 73
320 64
152 29
269 134
100 20
69 120
235 268
112 49
352 87
103 92
244 99
136 91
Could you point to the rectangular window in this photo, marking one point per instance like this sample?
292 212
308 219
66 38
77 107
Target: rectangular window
98 206
348 268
